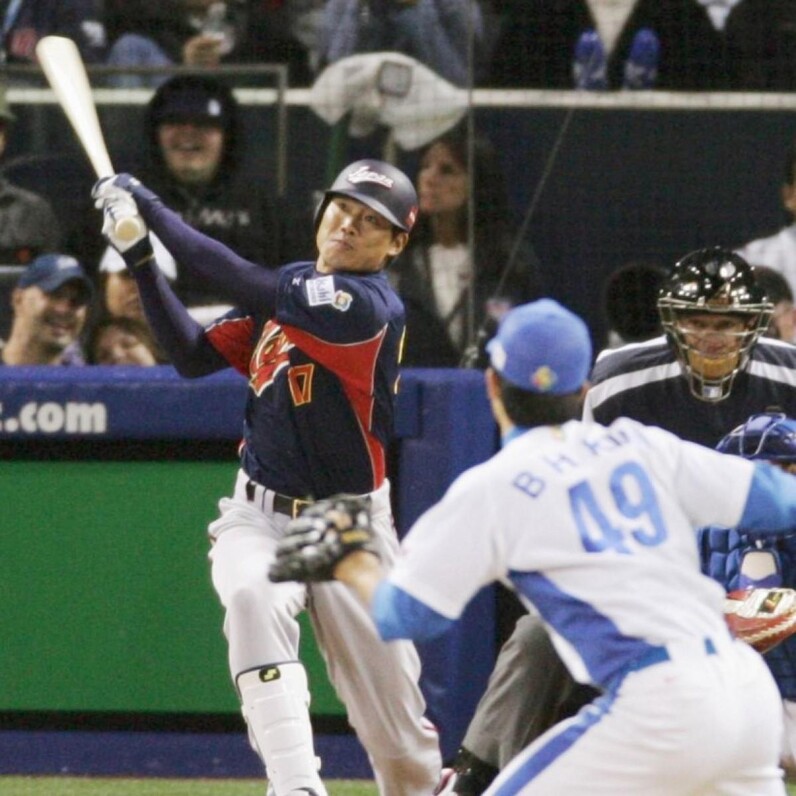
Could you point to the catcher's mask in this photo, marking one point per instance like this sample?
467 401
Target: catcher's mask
770 436
713 312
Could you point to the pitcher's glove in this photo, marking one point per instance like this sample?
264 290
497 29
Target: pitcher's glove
761 617
318 540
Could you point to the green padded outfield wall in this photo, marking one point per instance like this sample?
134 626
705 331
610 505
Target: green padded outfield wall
106 592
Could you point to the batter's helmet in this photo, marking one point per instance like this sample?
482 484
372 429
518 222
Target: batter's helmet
769 435
717 281
378 185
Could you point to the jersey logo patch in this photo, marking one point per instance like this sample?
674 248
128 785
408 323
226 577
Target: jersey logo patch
320 291
364 174
543 379
342 300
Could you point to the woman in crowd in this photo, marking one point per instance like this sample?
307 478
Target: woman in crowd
122 341
439 269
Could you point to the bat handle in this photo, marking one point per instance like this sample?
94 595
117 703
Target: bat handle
128 228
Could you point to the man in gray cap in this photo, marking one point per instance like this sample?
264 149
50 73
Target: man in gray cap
50 305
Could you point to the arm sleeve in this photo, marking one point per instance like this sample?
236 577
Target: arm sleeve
181 337
771 502
399 615
243 283
730 491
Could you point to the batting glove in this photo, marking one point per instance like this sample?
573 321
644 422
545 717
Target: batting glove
324 534
109 186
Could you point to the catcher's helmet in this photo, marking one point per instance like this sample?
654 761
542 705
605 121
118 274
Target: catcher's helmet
769 435
713 281
380 186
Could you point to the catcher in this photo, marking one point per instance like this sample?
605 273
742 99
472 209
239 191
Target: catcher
594 527
744 560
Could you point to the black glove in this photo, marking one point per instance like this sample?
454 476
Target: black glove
317 541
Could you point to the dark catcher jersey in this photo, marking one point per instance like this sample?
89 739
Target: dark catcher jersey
645 381
322 377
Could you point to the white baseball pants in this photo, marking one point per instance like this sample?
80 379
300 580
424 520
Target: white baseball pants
376 681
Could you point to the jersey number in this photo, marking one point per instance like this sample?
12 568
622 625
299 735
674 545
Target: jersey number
633 497
299 378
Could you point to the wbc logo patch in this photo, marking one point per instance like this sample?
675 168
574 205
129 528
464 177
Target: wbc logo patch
543 379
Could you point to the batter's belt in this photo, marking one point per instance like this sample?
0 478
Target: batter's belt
282 504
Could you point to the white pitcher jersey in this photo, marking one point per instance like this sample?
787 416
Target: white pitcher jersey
594 528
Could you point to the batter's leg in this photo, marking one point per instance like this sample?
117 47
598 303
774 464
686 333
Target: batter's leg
276 703
378 682
263 636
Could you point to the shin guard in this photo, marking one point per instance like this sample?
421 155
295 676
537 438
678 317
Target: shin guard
275 701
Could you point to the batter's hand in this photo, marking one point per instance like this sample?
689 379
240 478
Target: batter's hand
317 541
125 184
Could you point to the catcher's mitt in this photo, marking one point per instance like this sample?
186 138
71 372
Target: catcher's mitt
761 617
324 534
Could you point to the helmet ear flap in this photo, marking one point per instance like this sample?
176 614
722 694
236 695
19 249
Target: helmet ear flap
319 210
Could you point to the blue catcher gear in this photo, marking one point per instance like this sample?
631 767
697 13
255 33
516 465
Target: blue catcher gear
713 281
770 436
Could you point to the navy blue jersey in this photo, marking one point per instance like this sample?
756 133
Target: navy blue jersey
322 377
644 381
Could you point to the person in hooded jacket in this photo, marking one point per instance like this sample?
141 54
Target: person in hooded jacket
194 137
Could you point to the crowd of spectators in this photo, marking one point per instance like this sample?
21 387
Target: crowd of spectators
678 45
453 278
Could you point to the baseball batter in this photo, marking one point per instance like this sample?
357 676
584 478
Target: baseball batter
319 343
594 527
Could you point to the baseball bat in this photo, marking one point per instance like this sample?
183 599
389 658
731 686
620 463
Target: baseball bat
63 67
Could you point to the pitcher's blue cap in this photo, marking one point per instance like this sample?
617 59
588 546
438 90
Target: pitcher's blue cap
542 347
49 271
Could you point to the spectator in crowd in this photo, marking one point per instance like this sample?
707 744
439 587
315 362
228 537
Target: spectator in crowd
721 45
434 275
208 33
118 293
122 341
50 305
28 225
776 287
778 251
168 33
285 33
196 148
630 303
24 22
434 32
537 45
680 45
